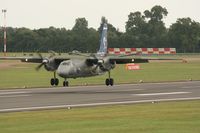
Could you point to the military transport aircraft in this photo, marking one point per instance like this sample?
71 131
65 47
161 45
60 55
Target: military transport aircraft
83 65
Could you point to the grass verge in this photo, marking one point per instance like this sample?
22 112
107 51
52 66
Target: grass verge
24 75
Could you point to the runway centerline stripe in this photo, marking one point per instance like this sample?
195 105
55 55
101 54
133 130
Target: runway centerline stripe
158 94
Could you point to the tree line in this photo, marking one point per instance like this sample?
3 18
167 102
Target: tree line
145 29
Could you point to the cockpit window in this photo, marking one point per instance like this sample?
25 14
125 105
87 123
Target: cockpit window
66 63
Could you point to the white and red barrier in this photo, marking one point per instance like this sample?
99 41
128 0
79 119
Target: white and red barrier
127 51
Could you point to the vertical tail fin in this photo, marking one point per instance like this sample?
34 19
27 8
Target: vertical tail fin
103 43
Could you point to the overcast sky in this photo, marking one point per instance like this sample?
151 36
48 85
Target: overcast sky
62 13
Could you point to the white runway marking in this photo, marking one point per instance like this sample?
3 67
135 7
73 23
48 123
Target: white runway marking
158 94
14 96
95 104
185 87
10 93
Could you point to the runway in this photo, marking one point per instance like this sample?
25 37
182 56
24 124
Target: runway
82 96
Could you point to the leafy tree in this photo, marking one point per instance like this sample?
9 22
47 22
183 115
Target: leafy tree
81 25
156 14
136 23
156 29
184 35
147 28
25 40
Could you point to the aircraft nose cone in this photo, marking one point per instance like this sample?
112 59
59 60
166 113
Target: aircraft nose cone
63 71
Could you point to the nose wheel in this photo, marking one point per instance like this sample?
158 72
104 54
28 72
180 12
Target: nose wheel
109 81
65 83
54 81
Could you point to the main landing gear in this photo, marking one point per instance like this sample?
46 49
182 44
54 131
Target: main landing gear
54 81
109 81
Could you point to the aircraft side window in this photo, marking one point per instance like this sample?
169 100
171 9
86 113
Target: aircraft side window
66 63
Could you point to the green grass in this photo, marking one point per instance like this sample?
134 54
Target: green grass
24 75
166 117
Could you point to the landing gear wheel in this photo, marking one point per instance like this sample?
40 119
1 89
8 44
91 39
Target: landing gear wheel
111 82
56 81
107 82
65 83
52 82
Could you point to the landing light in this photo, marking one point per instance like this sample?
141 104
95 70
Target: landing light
100 61
45 61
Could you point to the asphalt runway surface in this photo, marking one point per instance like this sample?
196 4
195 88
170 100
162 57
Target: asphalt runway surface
84 96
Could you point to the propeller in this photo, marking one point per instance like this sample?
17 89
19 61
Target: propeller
39 66
45 60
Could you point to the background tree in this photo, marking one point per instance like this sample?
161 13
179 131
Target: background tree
136 34
136 23
155 28
184 35
80 33
25 39
147 29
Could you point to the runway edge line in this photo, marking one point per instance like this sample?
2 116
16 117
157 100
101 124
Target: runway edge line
93 104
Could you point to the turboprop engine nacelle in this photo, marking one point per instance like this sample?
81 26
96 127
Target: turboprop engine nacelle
105 64
49 64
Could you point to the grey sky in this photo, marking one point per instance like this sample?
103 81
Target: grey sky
62 13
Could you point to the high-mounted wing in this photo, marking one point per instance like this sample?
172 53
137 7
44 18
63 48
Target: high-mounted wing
34 59
137 59
51 62
24 59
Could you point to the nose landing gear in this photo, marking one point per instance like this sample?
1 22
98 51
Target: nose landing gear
65 83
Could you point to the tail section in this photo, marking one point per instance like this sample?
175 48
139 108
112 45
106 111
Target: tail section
103 43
